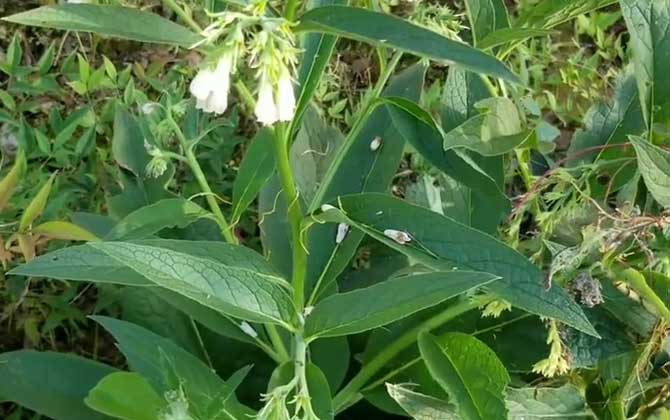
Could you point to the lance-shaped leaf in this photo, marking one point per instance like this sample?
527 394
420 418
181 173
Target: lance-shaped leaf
52 384
114 21
442 243
118 394
388 31
647 22
486 16
64 230
388 301
147 220
256 167
654 165
420 406
551 13
234 291
318 48
469 372
11 180
168 367
36 206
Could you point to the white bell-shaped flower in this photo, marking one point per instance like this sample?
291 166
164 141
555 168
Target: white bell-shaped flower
210 87
266 110
285 96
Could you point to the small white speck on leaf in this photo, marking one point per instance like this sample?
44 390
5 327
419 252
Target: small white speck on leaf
327 207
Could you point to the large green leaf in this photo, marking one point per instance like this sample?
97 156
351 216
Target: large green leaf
230 289
609 123
168 367
485 16
441 243
564 403
52 384
495 131
388 31
147 220
488 204
654 165
357 168
127 396
115 21
256 167
551 13
128 143
647 22
420 406
469 372
388 301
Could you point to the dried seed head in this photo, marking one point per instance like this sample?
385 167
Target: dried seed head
342 230
399 236
376 143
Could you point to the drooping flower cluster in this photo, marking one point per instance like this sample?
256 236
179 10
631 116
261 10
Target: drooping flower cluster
269 44
556 363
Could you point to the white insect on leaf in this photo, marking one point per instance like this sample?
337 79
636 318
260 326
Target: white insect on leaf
376 143
327 207
399 236
342 230
248 329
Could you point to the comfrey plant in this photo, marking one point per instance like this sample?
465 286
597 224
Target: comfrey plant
445 320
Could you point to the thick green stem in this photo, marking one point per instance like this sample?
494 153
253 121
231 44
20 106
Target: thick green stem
343 398
294 215
277 343
172 4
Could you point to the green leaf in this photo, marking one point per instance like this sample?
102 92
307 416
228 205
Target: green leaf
256 168
64 230
313 150
485 16
355 168
510 36
442 243
36 205
387 31
469 372
318 48
647 22
420 406
128 143
550 13
52 384
230 289
168 367
564 402
144 222
388 301
654 165
127 396
137 25
11 180
495 131
319 392
609 123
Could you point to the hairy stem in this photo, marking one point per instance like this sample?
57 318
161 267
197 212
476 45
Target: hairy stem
348 394
294 215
